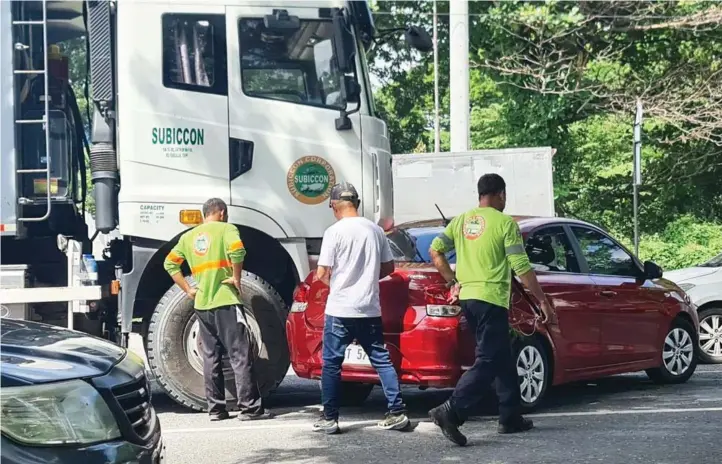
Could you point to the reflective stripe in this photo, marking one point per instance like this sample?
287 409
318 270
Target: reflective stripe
210 265
515 250
174 258
446 241
235 246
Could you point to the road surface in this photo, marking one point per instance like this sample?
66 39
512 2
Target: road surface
624 419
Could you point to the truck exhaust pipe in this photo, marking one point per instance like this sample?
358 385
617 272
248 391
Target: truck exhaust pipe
105 176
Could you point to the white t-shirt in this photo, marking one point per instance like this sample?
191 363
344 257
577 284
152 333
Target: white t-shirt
354 249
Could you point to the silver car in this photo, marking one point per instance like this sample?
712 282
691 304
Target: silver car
703 284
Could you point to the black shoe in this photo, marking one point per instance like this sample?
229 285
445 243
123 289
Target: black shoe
327 426
254 417
218 416
520 424
444 417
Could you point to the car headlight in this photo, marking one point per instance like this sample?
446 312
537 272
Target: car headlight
57 413
686 287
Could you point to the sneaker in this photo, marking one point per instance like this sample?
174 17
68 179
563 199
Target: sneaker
520 424
254 417
218 416
327 426
443 417
394 421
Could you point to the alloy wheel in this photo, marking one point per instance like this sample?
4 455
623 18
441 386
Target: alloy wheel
678 351
710 335
531 371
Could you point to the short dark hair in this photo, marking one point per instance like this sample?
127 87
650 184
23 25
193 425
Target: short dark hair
490 184
214 205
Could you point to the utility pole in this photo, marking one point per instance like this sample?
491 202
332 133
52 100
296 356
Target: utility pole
459 74
437 129
637 181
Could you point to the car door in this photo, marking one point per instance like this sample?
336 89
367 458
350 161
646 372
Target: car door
577 337
630 305
284 91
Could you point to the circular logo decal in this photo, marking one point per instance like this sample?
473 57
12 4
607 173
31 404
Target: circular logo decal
473 227
201 244
310 180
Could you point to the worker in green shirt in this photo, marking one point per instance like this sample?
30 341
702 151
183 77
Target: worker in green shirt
214 252
488 245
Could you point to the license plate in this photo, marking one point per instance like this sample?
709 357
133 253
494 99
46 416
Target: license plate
356 356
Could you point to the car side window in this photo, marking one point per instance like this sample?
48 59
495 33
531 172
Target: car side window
603 256
549 249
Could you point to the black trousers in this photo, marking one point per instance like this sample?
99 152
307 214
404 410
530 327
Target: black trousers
220 333
494 361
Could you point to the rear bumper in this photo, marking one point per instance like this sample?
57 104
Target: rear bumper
427 355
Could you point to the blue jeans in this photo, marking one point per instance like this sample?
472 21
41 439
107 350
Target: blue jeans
338 333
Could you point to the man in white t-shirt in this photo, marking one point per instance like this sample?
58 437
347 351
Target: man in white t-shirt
355 255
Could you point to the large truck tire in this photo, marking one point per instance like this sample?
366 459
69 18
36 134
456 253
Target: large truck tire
173 340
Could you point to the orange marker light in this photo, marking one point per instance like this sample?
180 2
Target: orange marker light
191 217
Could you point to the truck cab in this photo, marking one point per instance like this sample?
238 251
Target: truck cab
263 104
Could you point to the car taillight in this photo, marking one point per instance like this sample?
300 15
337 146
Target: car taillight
437 302
300 298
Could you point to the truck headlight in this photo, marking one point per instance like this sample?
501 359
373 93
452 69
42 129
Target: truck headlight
56 414
686 287
442 310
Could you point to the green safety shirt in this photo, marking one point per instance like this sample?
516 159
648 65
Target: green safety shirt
488 246
211 249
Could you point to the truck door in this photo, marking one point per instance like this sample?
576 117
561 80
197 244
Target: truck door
284 97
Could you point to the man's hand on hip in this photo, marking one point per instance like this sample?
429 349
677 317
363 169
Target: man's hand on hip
191 293
235 283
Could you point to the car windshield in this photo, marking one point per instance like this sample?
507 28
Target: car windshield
714 262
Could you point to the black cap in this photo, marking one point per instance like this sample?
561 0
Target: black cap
344 191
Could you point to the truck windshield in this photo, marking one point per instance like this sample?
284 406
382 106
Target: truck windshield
296 66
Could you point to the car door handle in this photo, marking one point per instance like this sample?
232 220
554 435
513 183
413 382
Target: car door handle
607 293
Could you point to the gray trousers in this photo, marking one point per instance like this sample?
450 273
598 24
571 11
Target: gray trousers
220 333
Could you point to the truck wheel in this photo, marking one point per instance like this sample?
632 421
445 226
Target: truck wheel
173 353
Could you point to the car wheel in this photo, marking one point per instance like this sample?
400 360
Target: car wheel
173 341
532 367
710 336
678 355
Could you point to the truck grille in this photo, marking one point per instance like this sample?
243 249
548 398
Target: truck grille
134 398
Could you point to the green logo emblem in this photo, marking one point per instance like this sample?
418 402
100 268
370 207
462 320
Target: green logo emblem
310 180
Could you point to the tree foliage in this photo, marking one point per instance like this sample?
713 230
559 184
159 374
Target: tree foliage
568 74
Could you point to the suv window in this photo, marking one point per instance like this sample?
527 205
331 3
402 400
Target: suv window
194 53
549 249
603 255
295 66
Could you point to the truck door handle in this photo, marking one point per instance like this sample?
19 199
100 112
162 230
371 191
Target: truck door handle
607 293
240 157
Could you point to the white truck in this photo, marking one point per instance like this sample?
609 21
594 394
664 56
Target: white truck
425 181
263 104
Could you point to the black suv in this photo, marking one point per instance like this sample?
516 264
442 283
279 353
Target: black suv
69 397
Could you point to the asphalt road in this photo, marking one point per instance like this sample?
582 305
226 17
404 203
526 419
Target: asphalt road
623 419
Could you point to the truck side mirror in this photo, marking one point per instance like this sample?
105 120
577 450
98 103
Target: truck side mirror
419 39
352 89
343 43
281 21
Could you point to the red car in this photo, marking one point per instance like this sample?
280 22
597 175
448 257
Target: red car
614 315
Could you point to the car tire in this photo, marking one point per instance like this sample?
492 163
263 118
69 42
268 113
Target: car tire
171 340
674 368
709 316
533 368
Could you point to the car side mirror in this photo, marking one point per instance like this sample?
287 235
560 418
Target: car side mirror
652 271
